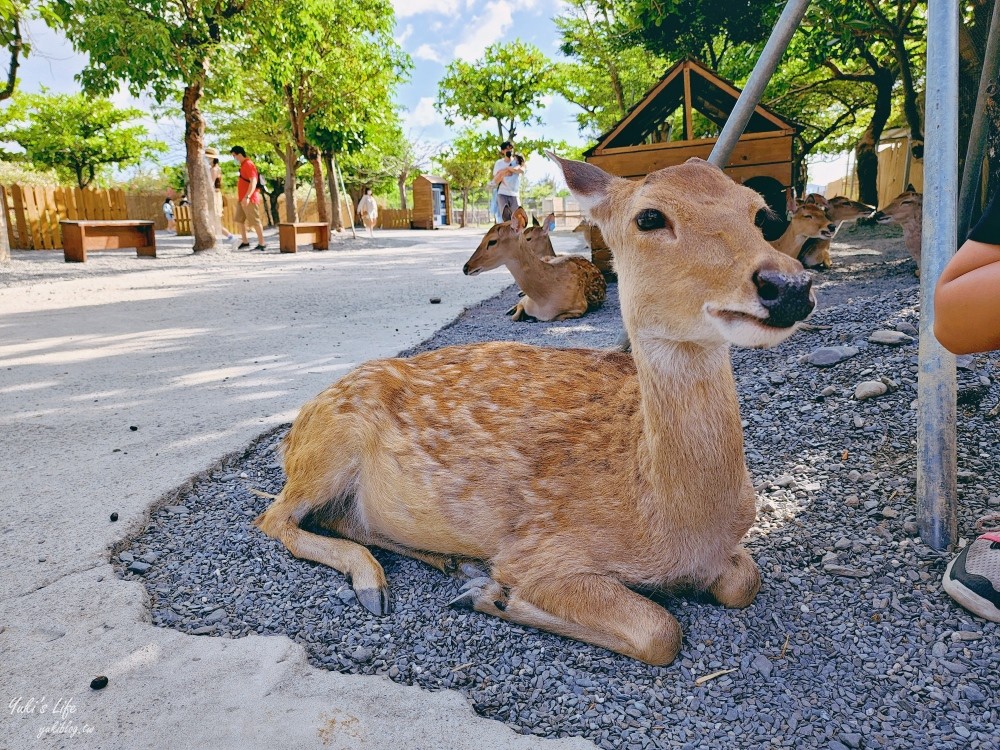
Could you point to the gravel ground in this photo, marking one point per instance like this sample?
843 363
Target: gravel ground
850 644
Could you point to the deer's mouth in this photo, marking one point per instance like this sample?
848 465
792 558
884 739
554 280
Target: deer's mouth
740 316
473 271
826 234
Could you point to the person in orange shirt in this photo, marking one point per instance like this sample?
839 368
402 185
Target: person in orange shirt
248 198
966 320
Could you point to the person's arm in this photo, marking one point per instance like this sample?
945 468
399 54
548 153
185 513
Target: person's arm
967 298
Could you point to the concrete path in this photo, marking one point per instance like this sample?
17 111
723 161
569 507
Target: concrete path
120 380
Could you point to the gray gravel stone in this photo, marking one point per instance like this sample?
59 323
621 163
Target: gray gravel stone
828 356
869 389
889 338
139 567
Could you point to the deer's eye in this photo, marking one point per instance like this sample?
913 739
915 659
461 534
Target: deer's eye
491 243
649 219
760 217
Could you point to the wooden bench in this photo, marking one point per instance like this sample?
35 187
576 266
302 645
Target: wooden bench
315 232
80 236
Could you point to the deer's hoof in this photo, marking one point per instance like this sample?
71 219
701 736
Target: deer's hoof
375 601
471 570
479 591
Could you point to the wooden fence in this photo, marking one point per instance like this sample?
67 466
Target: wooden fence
34 213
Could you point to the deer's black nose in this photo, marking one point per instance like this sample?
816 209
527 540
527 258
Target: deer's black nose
786 297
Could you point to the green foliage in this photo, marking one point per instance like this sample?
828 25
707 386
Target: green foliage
468 162
175 176
334 66
78 136
707 31
150 45
610 72
507 85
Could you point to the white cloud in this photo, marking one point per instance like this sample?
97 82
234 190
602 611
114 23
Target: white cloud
485 29
427 52
423 114
406 8
404 35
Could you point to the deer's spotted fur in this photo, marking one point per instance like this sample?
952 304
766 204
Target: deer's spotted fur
574 475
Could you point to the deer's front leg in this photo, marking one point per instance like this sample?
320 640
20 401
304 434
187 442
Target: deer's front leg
739 582
589 608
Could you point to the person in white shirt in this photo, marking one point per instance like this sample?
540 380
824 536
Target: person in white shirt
368 211
507 191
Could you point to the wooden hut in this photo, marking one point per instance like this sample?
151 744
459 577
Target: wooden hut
431 202
681 117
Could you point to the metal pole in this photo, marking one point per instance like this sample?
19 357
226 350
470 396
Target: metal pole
977 136
767 63
936 460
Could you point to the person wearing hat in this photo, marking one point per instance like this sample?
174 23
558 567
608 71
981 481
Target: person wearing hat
216 176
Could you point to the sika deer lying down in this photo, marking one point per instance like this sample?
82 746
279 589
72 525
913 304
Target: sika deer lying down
557 287
627 472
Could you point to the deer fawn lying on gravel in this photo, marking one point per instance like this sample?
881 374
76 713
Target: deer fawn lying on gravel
627 472
809 220
840 210
907 210
558 288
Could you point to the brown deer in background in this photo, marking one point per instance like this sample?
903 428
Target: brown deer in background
627 472
907 210
808 220
558 288
840 210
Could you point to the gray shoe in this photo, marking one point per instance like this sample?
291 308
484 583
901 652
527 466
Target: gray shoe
973 577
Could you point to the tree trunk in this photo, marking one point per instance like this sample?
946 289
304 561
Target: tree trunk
291 159
199 195
465 205
867 148
312 156
336 220
401 183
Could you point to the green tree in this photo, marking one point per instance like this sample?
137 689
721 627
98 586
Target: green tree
507 85
610 73
709 31
335 67
159 46
78 136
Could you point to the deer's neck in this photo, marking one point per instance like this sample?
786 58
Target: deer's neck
532 274
790 242
691 449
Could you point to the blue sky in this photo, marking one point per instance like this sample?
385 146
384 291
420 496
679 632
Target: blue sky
433 32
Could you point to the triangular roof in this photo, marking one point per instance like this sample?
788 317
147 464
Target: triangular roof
693 86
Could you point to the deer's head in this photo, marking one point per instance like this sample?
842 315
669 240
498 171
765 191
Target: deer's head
811 220
693 264
501 241
907 207
841 208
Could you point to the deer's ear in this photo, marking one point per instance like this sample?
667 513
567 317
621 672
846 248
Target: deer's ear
534 221
588 184
549 224
910 188
790 203
519 220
